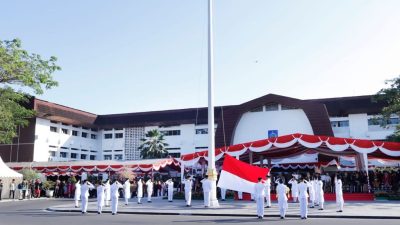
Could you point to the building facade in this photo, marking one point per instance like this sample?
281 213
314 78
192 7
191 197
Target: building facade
60 133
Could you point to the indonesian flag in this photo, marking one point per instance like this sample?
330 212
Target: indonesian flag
240 176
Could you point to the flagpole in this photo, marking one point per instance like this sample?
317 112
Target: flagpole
211 171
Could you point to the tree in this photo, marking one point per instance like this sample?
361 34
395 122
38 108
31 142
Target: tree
391 97
20 69
153 145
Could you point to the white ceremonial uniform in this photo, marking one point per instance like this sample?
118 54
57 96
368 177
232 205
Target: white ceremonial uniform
259 195
85 195
316 191
281 191
100 197
149 185
127 191
107 198
312 193
303 198
240 195
170 184
140 191
223 194
267 185
188 191
114 196
294 189
320 188
339 194
77 196
206 191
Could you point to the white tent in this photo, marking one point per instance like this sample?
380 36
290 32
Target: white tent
7 175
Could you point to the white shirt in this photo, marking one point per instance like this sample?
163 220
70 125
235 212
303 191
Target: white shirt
114 189
170 184
12 187
303 189
206 185
140 188
85 189
281 191
338 187
149 184
127 189
188 185
294 184
267 185
259 190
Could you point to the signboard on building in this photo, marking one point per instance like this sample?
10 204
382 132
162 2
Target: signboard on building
272 133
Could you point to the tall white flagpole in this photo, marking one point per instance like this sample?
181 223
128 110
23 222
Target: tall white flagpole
211 172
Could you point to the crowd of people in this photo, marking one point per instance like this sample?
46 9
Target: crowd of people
25 189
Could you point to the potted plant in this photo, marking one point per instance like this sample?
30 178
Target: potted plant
48 186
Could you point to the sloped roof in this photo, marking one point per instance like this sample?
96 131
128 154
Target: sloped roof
5 171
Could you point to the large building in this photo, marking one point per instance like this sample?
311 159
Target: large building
61 133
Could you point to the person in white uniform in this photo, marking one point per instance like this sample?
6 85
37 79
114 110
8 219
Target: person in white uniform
85 194
267 185
339 193
188 190
77 196
316 190
303 198
240 195
127 191
311 192
223 194
294 189
107 198
320 188
149 186
259 195
139 191
101 193
170 187
114 196
206 183
282 191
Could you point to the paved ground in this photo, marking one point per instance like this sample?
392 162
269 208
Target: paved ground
246 209
33 213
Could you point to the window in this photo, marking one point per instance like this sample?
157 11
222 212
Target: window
53 129
73 155
257 109
85 128
382 122
107 151
94 129
52 146
75 126
343 123
84 134
75 133
84 150
93 151
171 132
63 154
64 147
107 157
83 156
93 136
107 136
202 131
118 129
175 155
171 149
64 131
75 149
119 150
52 121
53 154
65 124
108 129
272 107
202 147
119 135
118 157
92 157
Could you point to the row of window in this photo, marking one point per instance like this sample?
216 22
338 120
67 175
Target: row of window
116 157
116 135
371 122
54 148
66 124
271 107
73 133
73 155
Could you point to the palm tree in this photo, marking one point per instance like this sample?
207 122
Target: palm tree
153 145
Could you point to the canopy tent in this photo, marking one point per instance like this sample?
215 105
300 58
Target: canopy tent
7 175
297 144
65 168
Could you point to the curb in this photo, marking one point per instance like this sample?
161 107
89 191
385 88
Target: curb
229 215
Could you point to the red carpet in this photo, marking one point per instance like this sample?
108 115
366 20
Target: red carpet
329 197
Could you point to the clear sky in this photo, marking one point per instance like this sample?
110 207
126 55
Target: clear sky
141 55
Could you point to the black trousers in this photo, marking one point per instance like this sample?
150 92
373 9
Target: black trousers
12 193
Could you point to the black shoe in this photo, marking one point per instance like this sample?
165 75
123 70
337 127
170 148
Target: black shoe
339 211
311 207
223 200
267 207
83 212
76 206
282 217
302 218
98 212
113 214
187 205
320 209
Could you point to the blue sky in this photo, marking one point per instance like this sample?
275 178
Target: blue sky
132 56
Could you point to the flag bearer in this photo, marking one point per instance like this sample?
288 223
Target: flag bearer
259 195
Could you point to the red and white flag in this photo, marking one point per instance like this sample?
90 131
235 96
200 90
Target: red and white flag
240 176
